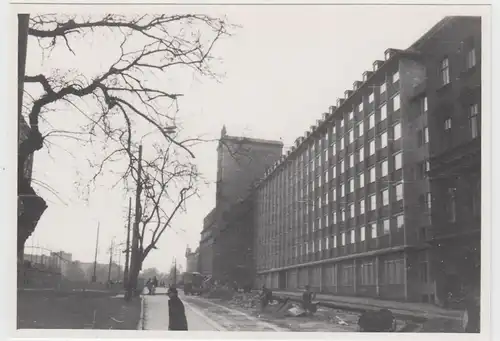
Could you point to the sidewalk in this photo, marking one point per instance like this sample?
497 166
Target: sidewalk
404 310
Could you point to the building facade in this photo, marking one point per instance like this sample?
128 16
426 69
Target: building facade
241 162
205 259
347 209
454 91
192 260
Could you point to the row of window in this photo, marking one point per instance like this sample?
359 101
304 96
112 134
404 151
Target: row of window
444 70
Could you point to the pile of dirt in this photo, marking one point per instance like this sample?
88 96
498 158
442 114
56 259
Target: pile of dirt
221 293
245 300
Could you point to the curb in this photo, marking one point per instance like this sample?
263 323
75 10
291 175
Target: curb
142 319
416 317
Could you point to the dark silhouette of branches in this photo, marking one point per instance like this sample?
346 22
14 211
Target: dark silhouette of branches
149 46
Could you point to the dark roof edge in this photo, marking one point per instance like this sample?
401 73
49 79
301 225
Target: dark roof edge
436 28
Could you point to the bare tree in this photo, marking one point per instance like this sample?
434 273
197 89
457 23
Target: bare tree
123 95
165 181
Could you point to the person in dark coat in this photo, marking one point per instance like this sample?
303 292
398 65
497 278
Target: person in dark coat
176 313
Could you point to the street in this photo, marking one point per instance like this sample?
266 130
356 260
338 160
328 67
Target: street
156 314
207 315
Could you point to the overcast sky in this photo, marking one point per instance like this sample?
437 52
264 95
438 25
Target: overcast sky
283 68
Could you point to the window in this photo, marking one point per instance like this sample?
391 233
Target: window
384 168
394 271
383 140
342 190
361 181
383 112
342 238
342 143
351 160
360 107
385 197
361 154
342 166
398 161
396 129
396 103
428 201
353 236
326 155
327 242
362 233
342 214
471 58
351 136
351 185
342 123
360 128
371 146
334 217
423 105
352 214
395 77
334 241
426 135
382 88
474 120
400 221
362 206
350 115
373 202
334 171
371 175
399 191
371 97
319 245
447 124
371 121
373 230
445 71
451 205
386 225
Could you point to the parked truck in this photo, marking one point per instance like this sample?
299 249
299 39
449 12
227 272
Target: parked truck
193 283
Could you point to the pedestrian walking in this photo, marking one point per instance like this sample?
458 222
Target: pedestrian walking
176 313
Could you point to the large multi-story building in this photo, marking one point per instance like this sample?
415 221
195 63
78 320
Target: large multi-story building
347 208
241 162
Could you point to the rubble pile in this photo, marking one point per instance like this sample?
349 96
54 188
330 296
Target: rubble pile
246 300
221 293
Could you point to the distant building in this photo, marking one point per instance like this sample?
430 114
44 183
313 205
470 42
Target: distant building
192 260
241 163
205 258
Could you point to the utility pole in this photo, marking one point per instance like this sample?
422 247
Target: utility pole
127 247
175 272
110 260
119 265
94 277
134 261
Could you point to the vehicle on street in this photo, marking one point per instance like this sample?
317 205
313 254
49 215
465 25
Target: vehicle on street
193 283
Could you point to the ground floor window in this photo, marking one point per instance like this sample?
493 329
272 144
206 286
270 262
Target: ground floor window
393 271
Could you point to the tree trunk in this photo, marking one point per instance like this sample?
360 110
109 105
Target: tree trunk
133 276
31 206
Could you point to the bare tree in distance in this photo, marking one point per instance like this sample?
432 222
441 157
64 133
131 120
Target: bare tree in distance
166 182
114 101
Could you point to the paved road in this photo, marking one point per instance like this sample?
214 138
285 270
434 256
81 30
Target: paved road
156 314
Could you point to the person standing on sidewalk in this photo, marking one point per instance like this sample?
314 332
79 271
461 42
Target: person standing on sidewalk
176 313
307 298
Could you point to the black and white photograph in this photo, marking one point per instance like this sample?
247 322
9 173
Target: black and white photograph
251 168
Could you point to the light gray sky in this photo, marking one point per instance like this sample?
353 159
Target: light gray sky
284 67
